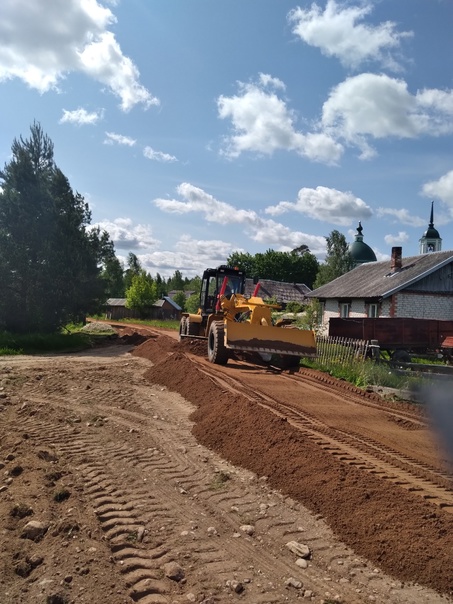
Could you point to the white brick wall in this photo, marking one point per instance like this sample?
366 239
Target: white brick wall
332 309
411 305
424 306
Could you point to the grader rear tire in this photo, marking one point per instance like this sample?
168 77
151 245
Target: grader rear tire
192 329
217 351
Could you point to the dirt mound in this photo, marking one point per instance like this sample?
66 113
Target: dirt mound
393 528
390 526
166 345
196 347
156 348
133 337
97 327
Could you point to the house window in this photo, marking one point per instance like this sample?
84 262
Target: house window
373 311
344 310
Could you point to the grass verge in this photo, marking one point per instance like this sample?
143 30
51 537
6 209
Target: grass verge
169 324
363 373
35 343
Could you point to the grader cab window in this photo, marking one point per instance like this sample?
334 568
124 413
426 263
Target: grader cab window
216 283
209 293
234 286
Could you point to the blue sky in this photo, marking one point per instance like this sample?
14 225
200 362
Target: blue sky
195 128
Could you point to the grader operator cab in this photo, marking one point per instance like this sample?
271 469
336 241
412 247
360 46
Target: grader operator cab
229 321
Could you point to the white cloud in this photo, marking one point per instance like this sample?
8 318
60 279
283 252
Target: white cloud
377 106
150 153
262 123
402 237
190 256
442 189
403 216
204 248
267 80
119 139
380 255
127 236
44 41
81 117
264 231
322 203
339 31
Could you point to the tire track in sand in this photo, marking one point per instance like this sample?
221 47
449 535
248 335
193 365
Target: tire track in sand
159 501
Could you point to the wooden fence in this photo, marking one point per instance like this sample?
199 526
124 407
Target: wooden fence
340 350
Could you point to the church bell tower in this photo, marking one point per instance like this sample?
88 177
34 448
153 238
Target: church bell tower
431 240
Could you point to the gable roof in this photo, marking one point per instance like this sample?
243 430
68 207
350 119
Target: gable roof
116 302
375 279
158 303
283 292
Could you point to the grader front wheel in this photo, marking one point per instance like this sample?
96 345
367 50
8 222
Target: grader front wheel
182 327
192 329
217 351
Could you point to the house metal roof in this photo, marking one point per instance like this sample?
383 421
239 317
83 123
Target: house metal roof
281 291
116 302
375 279
158 303
169 300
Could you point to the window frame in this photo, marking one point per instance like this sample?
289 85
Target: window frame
375 314
345 306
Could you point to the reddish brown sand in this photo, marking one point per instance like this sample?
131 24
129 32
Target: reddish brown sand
391 526
126 461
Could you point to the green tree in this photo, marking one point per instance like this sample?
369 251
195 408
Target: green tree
301 250
244 261
142 293
298 266
134 268
307 268
180 299
113 275
50 258
161 287
194 285
176 282
193 303
312 317
338 259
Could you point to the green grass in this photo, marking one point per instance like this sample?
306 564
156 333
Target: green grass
169 324
366 373
6 350
35 343
72 338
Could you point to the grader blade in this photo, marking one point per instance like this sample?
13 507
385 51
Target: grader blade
270 339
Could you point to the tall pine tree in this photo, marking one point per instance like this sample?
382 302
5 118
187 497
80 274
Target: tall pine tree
50 258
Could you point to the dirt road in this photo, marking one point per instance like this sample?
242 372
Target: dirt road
123 465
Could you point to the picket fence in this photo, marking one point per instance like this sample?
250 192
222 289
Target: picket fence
340 350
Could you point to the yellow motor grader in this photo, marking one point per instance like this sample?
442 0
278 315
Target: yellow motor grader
231 322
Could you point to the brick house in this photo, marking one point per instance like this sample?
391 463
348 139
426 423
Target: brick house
418 287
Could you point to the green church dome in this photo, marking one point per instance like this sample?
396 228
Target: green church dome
359 250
